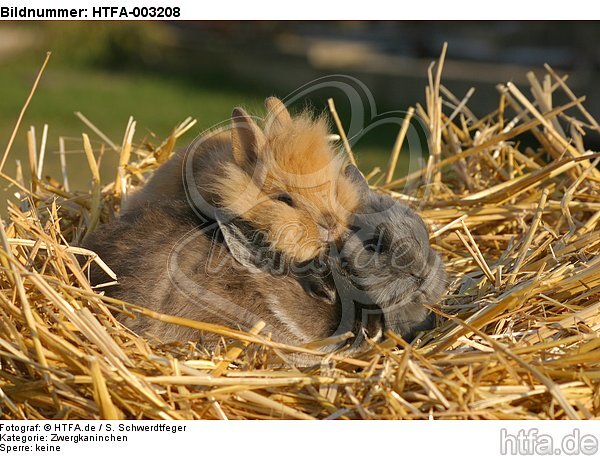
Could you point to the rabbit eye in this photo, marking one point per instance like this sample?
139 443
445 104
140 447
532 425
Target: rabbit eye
285 198
374 244
354 228
380 241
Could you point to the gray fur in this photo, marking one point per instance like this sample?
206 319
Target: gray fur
402 275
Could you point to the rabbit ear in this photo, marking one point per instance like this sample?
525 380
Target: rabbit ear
238 244
354 174
246 138
277 113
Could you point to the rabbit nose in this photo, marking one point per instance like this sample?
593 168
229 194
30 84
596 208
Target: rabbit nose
326 233
328 227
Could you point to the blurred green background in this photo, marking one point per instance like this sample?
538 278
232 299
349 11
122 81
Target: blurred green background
110 71
162 72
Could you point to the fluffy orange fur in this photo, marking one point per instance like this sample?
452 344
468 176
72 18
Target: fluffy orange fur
246 168
294 158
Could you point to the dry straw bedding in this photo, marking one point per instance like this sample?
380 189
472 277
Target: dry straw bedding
517 337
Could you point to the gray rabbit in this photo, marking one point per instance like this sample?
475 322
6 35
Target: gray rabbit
386 266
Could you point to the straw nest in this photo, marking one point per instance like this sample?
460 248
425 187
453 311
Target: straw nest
517 335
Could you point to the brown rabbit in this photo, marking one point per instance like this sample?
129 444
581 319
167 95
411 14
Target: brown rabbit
285 180
167 261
